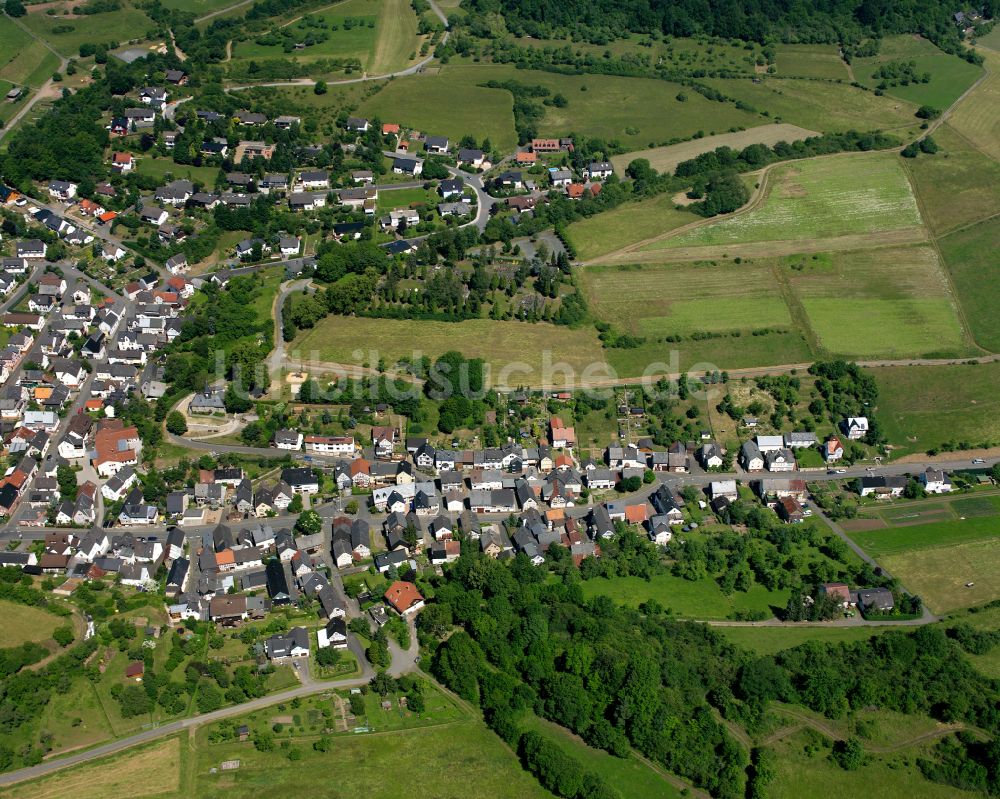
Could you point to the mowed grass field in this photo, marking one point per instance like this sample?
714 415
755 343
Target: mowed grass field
633 111
818 198
950 75
397 37
153 770
810 61
661 300
971 258
921 407
957 186
627 224
632 778
13 40
516 352
700 599
66 34
441 761
22 623
771 640
818 105
161 167
977 117
882 303
666 159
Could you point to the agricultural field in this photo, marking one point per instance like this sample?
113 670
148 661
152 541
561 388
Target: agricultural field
701 599
632 778
817 198
805 771
819 105
771 640
626 225
666 159
977 118
114 777
810 61
13 41
358 41
23 623
950 75
443 760
970 255
956 186
161 167
922 407
517 352
397 37
632 111
656 301
878 303
67 33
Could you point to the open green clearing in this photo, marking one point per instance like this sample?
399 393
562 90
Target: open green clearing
818 198
957 186
22 623
989 619
699 599
161 167
66 34
357 42
627 224
770 640
950 75
444 761
810 61
632 778
807 772
666 159
13 40
404 198
952 577
818 105
397 37
198 7
878 303
915 537
524 346
633 111
922 407
971 258
660 300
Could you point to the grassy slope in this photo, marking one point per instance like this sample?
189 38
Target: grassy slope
22 623
627 224
970 256
978 117
923 407
119 26
819 198
770 640
810 61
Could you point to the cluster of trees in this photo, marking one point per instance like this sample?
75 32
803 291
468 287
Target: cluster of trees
899 73
846 390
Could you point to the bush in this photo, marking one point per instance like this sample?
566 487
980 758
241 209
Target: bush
176 423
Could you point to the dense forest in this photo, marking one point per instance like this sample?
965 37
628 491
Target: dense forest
757 20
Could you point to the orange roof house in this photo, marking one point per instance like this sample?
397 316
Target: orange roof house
404 598
42 392
108 216
561 435
389 127
635 514
575 191
526 158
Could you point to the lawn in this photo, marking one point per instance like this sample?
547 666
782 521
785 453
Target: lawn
662 300
66 34
978 116
633 111
632 778
921 407
810 61
517 353
818 198
23 623
404 198
152 770
627 224
950 75
701 599
920 537
666 159
971 257
161 167
956 186
818 105
443 761
770 640
805 772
